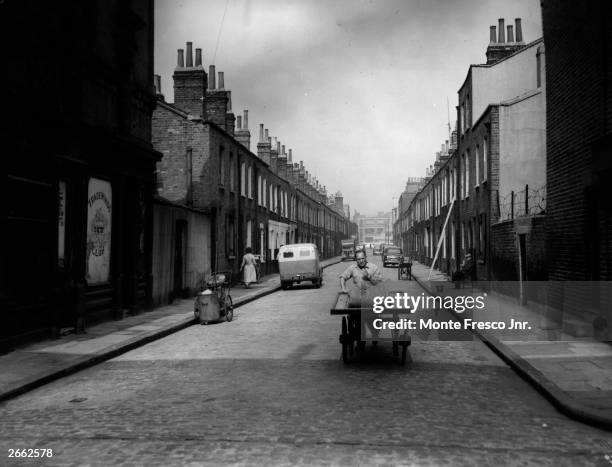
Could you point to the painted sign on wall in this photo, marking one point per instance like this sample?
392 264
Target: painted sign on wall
99 215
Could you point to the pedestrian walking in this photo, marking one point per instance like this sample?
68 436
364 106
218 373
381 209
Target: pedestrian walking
248 267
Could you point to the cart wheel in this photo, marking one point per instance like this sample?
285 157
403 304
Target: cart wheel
229 308
404 349
345 339
395 349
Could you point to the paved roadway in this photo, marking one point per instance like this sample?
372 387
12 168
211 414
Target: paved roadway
270 389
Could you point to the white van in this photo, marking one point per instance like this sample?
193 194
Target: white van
299 262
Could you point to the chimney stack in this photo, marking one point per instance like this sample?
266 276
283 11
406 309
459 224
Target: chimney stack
189 84
198 61
189 55
518 30
500 49
493 36
263 147
243 135
230 118
211 78
501 39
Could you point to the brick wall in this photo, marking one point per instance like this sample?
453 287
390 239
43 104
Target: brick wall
577 41
504 251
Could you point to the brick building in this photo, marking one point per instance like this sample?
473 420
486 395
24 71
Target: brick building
492 173
578 39
76 237
240 198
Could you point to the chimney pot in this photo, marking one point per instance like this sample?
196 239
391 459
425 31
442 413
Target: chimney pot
180 63
261 132
518 30
239 122
246 119
229 101
501 39
283 149
221 80
198 60
278 147
189 55
301 165
157 83
267 136
493 35
510 34
290 155
211 77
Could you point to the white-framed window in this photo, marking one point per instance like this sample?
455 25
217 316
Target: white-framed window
264 193
477 166
242 179
250 182
249 231
467 174
484 159
232 171
259 190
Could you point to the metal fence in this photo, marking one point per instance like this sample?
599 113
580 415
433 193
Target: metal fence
527 202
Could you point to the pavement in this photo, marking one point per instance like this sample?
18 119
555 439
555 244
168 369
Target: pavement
39 363
573 373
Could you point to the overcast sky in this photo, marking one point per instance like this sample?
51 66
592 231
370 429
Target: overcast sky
357 88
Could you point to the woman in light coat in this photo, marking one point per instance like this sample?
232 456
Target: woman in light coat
248 265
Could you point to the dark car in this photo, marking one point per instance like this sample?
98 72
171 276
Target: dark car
392 255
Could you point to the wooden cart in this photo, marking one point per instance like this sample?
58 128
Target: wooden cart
350 337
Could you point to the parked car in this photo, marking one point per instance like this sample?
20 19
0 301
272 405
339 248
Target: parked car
392 255
377 250
299 262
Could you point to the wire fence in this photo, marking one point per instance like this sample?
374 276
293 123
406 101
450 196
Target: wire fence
527 202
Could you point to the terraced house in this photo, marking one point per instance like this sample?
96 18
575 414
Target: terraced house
485 195
216 197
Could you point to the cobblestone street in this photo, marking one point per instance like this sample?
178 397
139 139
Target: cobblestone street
270 388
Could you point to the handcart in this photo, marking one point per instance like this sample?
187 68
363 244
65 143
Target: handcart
404 270
215 302
351 335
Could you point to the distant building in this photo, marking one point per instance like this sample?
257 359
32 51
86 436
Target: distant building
375 229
